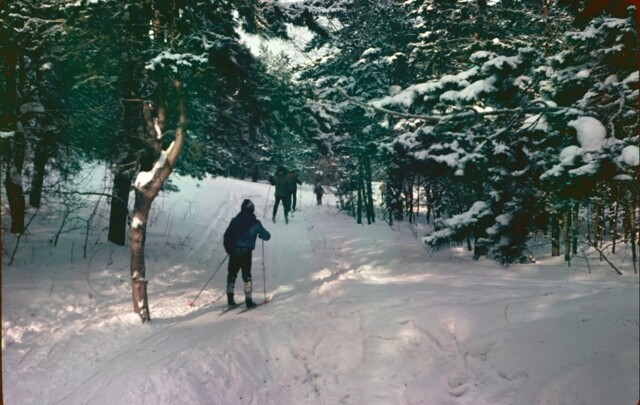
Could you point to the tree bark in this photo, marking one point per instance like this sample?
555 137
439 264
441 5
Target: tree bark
614 212
132 127
576 228
15 195
410 200
41 156
633 204
555 235
119 208
359 194
371 216
597 226
146 192
13 179
10 64
566 226
132 82
141 210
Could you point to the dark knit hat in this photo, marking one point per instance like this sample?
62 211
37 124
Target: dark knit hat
247 205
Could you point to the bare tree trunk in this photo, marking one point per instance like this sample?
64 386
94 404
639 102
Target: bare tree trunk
13 179
132 131
409 198
138 270
428 191
132 127
388 202
566 225
119 208
15 195
147 187
359 196
576 228
555 235
418 200
10 64
371 215
600 226
39 164
614 219
598 223
632 218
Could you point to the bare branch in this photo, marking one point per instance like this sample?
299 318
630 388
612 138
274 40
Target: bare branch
174 151
13 255
602 255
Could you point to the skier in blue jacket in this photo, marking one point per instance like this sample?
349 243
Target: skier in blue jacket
239 242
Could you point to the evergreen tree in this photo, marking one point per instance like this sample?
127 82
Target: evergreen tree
367 57
33 102
493 97
509 118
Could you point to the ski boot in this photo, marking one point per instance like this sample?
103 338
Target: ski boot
230 301
247 295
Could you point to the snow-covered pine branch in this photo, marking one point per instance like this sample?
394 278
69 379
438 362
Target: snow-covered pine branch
536 107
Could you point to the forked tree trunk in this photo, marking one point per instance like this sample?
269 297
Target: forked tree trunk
147 187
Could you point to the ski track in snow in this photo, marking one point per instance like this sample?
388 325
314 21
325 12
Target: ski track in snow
347 324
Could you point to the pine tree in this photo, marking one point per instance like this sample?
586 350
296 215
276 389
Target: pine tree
510 117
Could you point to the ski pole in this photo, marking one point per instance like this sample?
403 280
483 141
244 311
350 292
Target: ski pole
264 275
192 303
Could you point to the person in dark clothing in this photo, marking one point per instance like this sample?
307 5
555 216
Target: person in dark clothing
293 180
319 191
239 242
281 193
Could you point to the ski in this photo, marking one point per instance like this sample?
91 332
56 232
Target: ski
231 307
257 306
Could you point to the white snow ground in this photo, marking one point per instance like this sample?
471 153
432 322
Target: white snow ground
359 315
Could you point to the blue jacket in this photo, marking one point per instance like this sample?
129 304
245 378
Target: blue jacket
240 236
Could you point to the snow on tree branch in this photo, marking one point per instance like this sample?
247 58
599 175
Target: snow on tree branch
145 178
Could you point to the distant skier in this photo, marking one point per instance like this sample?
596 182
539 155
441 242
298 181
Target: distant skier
319 191
293 180
239 242
281 193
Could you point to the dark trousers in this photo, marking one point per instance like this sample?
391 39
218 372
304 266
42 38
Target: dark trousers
237 263
293 200
285 204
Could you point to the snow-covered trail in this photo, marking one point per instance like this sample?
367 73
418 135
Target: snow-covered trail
359 314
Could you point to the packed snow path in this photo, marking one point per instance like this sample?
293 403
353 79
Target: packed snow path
358 314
